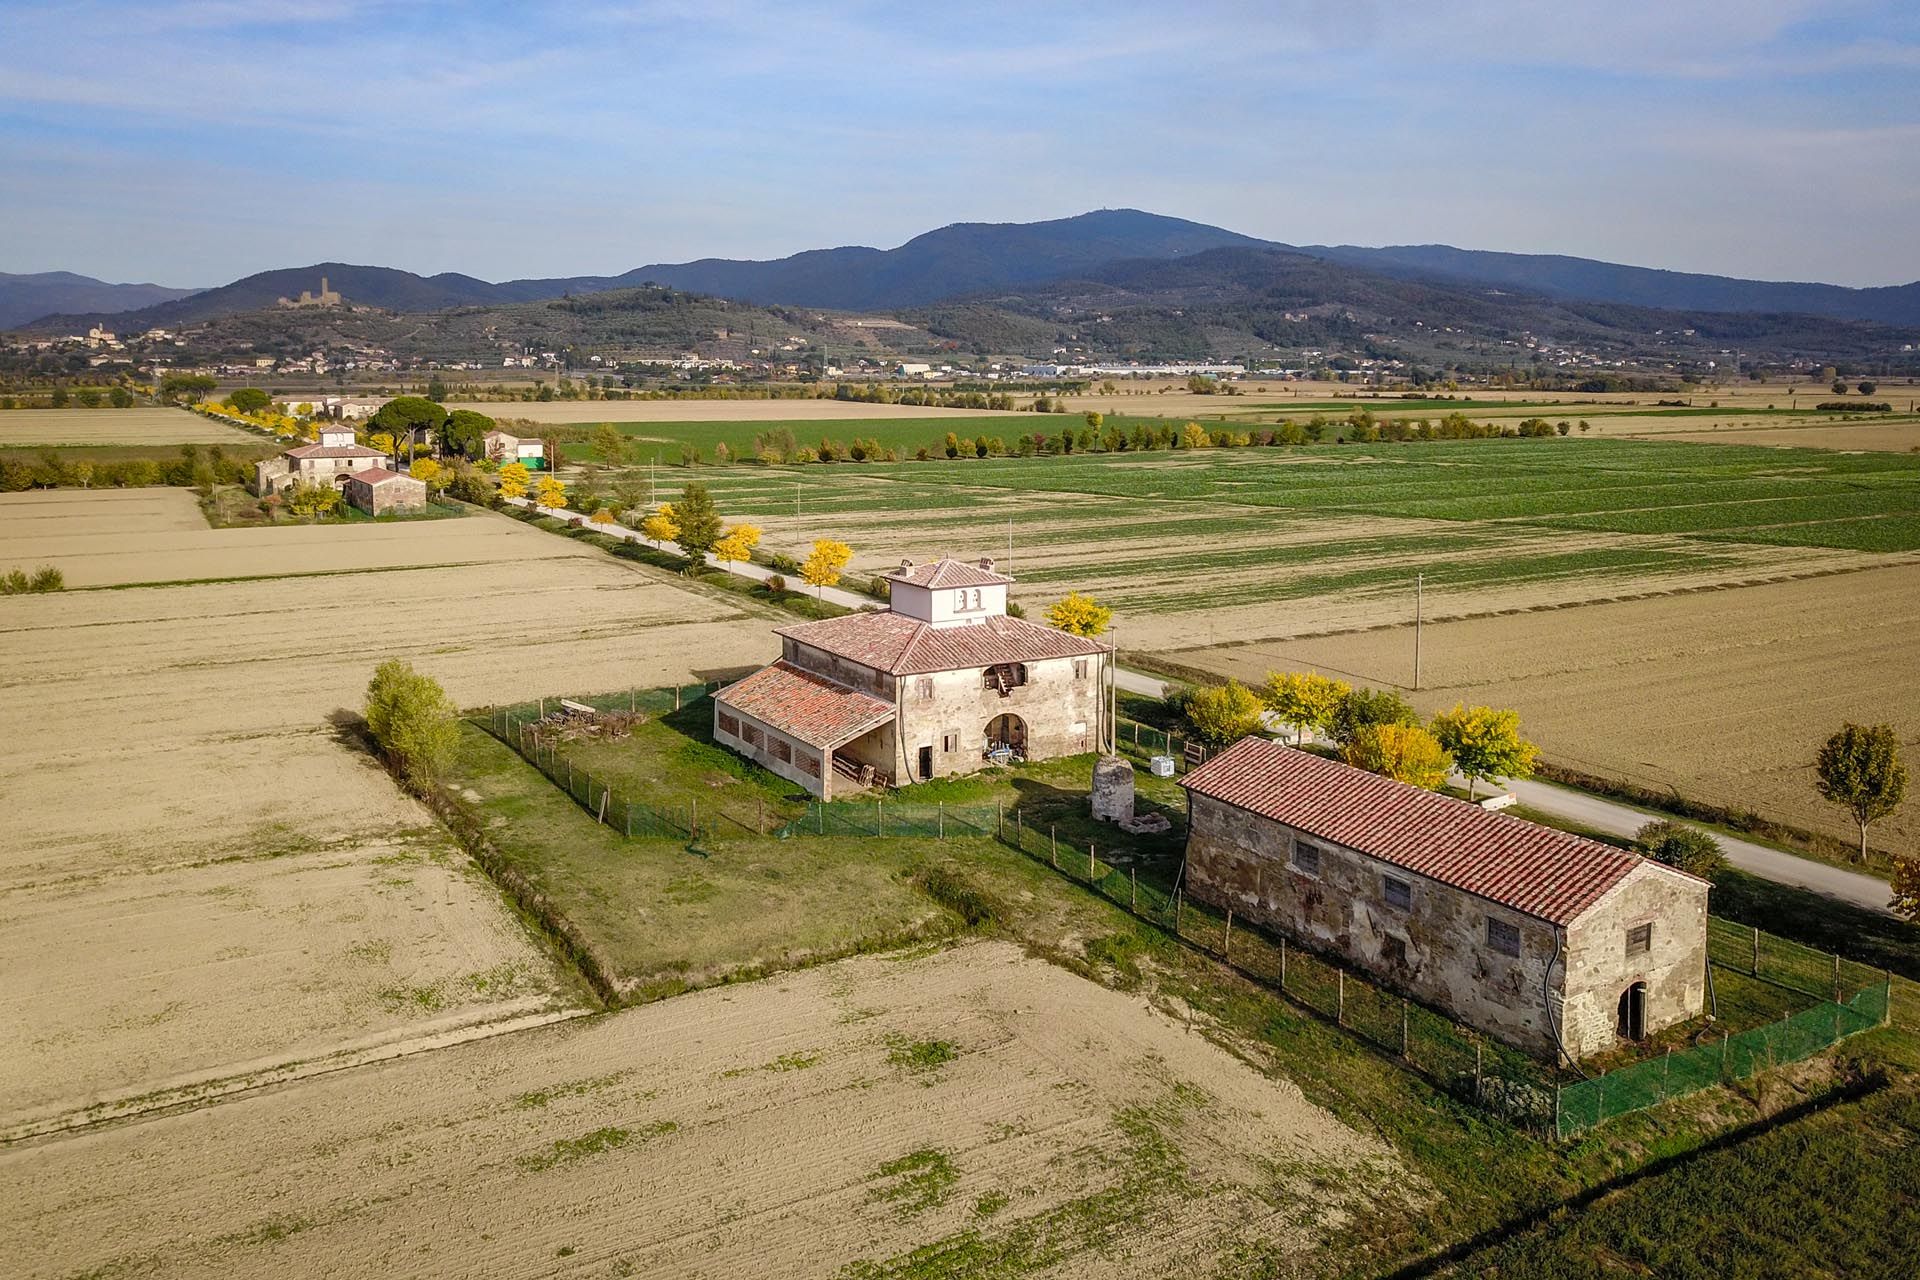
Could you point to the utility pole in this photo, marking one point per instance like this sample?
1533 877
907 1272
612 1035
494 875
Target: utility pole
1009 546
1418 591
796 499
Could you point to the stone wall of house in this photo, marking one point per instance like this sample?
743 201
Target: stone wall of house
949 711
271 475
1436 947
391 498
838 669
1600 968
753 739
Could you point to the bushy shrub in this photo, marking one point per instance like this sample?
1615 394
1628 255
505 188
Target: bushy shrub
412 720
1679 845
17 582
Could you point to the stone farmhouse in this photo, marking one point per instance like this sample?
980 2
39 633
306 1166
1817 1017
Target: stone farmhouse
943 681
1551 942
504 447
379 491
329 460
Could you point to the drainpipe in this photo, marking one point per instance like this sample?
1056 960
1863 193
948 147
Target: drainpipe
1546 1000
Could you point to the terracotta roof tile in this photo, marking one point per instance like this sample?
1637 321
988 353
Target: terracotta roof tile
379 475
1535 870
334 451
806 706
900 645
948 573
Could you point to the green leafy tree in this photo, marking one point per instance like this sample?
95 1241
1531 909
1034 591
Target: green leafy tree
1679 845
1223 713
186 388
697 521
1860 770
412 720
1485 743
437 391
464 433
1364 707
120 398
609 446
249 400
407 417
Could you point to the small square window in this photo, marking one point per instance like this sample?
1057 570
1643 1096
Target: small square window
1503 937
1398 893
949 742
1306 859
924 687
1640 939
1079 668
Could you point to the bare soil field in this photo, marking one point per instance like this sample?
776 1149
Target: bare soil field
139 425
861 1119
1723 695
119 537
743 411
178 758
1897 436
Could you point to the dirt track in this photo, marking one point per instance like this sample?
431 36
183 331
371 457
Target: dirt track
748 411
775 1129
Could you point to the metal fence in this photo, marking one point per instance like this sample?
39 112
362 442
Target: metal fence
1783 963
518 727
1732 1057
892 818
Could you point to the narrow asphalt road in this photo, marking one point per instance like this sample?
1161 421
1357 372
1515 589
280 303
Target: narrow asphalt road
1600 814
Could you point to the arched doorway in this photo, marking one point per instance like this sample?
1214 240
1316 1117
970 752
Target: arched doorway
1008 731
1630 1019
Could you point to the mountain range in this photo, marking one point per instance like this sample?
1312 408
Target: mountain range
979 260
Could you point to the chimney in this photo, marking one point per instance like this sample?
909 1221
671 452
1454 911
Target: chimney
905 565
986 562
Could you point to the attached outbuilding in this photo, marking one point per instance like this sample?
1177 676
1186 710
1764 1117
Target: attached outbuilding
1548 941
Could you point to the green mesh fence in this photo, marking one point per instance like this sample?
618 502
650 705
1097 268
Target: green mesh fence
892 818
1729 1057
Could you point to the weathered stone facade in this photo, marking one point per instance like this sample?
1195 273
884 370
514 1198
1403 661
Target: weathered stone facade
383 493
1510 974
772 750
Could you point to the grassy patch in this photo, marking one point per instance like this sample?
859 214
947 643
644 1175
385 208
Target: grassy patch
921 1056
914 1183
599 1142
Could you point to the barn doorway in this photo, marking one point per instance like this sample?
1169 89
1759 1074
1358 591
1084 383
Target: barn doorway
926 763
1630 1021
1008 733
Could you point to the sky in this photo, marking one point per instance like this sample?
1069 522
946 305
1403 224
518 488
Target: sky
193 143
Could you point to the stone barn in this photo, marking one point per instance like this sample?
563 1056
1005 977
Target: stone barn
381 492
943 681
1548 941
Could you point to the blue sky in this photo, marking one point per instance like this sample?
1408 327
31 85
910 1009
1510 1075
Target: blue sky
191 143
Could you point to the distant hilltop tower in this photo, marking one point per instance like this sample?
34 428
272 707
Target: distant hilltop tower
325 298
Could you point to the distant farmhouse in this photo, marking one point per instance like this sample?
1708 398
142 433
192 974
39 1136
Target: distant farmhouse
359 472
1545 940
942 682
325 298
506 448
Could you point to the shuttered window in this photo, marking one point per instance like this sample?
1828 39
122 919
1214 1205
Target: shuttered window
1503 937
1639 939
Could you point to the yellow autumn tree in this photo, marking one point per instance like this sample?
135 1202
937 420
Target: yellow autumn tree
821 568
661 526
1079 615
551 493
737 543
1194 436
1304 699
513 480
1484 743
1403 752
430 473
603 516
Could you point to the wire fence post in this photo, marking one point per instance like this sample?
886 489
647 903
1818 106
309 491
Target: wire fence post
999 819
676 697
1090 875
1405 1013
1019 830
1226 940
880 817
1283 963
1053 847
1133 890
1340 998
606 793
629 819
1756 951
693 819
943 819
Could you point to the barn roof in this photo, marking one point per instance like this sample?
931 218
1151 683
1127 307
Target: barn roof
1532 869
817 711
948 573
379 475
900 645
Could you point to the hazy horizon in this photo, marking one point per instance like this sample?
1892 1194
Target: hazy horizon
191 144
